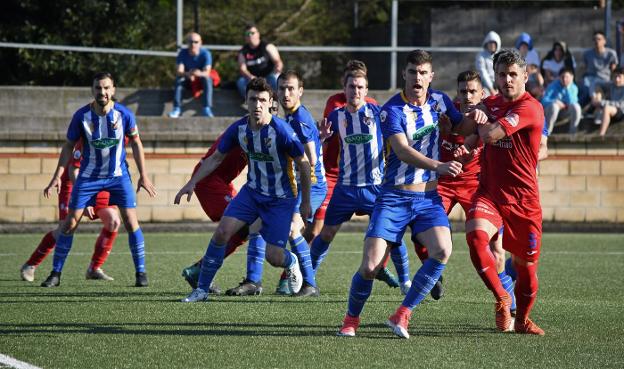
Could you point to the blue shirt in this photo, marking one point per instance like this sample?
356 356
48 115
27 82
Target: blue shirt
420 126
104 154
361 145
199 61
304 126
270 151
557 91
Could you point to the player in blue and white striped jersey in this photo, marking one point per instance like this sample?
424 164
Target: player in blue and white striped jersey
409 197
272 147
361 166
103 126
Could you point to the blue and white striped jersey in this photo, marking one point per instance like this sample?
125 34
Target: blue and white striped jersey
304 126
420 125
361 145
270 152
103 150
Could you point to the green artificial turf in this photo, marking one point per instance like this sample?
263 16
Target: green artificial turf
93 324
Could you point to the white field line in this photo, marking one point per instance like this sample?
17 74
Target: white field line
14 363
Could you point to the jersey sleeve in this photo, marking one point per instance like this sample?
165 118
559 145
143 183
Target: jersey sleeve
289 141
207 62
229 139
74 131
130 126
391 123
521 116
451 111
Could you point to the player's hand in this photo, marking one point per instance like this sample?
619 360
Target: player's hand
186 190
147 185
90 212
478 116
450 168
325 131
55 184
444 124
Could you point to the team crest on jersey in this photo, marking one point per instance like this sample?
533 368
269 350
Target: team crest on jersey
369 120
105 143
268 142
383 115
513 119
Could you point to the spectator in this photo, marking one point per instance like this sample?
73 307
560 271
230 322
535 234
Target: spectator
535 83
193 72
257 59
557 58
561 100
611 106
599 61
484 64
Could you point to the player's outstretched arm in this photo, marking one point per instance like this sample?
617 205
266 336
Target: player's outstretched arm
208 166
469 123
408 155
305 180
139 159
55 183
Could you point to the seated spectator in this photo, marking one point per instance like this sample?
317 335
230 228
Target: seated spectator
561 100
611 106
257 59
535 84
484 63
193 72
558 57
599 61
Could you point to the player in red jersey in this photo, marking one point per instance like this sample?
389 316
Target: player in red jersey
101 209
508 192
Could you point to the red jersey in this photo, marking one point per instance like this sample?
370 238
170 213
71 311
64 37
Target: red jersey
331 149
233 164
508 167
448 144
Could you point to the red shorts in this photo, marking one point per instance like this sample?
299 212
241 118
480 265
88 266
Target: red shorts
101 202
214 198
320 212
457 191
522 235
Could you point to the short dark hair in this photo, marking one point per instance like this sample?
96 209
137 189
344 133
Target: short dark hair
599 33
355 74
419 57
259 84
469 75
353 65
250 25
291 74
103 75
509 57
566 70
618 70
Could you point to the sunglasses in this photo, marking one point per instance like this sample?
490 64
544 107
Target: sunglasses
250 33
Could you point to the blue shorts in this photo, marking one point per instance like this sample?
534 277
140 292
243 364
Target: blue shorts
348 200
397 209
120 188
275 213
317 196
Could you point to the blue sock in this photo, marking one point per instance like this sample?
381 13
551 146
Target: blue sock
318 251
358 294
137 249
289 259
509 269
300 247
255 258
400 259
508 285
212 261
423 282
63 245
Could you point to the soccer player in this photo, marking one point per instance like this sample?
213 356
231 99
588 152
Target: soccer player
103 244
361 168
270 193
508 192
102 125
409 122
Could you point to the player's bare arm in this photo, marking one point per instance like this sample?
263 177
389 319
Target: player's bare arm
310 151
408 155
55 182
139 159
491 132
208 166
303 165
470 121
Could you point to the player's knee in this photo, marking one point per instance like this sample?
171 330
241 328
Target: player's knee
274 256
368 269
477 238
221 235
442 253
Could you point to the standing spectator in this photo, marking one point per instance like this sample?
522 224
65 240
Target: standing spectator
483 63
561 99
193 72
557 58
599 61
257 59
535 83
610 106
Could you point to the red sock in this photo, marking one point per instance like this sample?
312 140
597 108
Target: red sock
45 246
385 262
526 289
421 251
484 262
102 249
235 242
